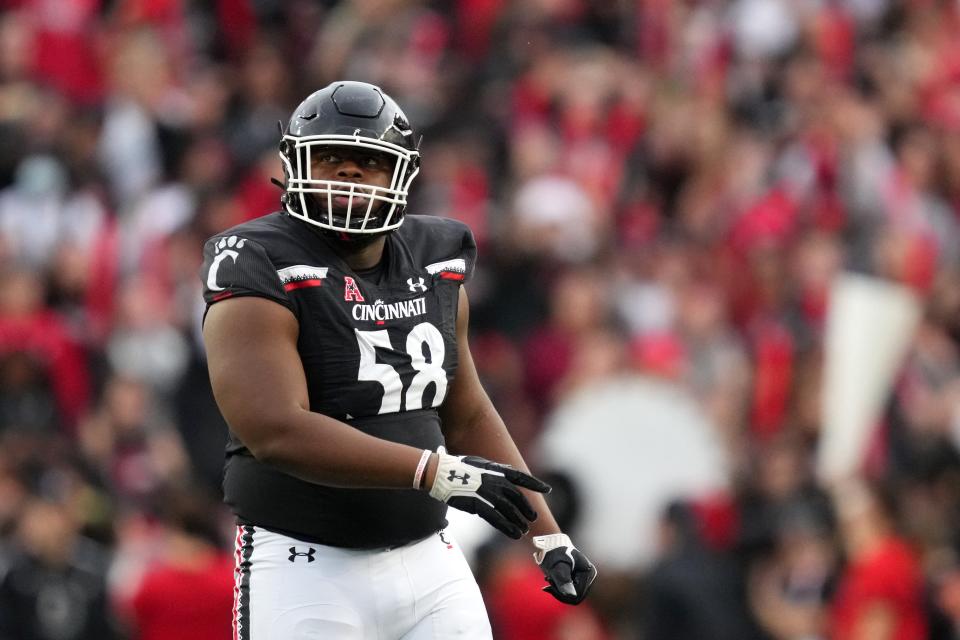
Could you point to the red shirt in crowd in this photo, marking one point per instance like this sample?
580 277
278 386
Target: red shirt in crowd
889 576
45 335
539 616
186 603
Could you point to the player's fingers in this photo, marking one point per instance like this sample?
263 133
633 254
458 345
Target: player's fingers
565 598
560 573
496 519
584 572
518 478
581 562
526 480
520 502
506 508
567 589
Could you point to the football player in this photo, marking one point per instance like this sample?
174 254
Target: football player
336 337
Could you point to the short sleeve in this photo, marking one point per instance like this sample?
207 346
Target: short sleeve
468 250
234 266
451 246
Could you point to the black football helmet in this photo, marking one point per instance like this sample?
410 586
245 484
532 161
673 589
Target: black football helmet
348 114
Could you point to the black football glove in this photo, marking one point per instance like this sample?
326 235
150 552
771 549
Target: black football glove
488 489
570 574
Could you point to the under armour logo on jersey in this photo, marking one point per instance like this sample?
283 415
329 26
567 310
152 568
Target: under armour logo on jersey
453 476
350 290
415 285
308 554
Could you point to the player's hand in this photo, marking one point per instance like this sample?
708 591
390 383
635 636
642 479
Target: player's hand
488 489
570 574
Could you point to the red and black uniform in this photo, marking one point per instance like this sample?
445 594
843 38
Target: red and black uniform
379 351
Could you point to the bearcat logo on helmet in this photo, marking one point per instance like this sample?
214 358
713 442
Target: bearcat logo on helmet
361 116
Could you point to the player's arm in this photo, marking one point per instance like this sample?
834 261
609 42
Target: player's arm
471 424
260 387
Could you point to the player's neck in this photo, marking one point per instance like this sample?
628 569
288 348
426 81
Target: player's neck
363 257
357 254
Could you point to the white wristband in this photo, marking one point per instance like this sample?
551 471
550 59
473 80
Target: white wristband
421 467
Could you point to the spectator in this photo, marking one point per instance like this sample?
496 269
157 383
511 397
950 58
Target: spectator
55 588
132 449
28 327
662 188
187 592
693 592
789 590
880 592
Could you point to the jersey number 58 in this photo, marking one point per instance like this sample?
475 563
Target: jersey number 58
388 377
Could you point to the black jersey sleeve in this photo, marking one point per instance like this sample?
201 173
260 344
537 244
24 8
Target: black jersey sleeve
449 247
468 248
234 266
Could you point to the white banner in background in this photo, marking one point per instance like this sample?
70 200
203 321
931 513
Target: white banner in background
870 324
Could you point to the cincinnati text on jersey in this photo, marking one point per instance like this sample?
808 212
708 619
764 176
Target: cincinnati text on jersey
380 312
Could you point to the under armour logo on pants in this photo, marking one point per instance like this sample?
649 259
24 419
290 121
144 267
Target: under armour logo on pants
308 554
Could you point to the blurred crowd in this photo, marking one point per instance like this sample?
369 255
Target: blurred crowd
662 192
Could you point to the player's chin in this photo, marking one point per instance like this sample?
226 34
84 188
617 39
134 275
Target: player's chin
339 211
357 217
334 211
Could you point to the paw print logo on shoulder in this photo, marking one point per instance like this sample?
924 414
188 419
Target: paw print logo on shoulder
232 241
223 249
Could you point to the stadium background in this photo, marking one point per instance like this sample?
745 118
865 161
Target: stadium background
662 191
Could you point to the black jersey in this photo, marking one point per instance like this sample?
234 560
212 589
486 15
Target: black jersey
378 355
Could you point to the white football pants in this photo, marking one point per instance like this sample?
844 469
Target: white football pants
287 589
